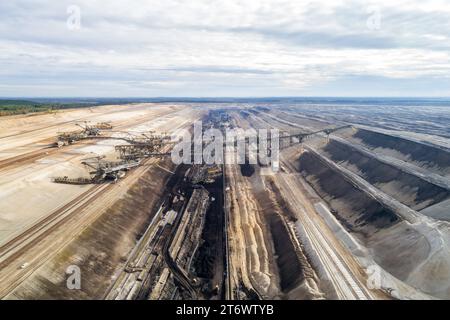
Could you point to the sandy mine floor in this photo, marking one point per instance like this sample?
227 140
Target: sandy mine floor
28 195
31 181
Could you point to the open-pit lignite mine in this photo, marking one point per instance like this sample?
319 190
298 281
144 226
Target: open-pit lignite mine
356 206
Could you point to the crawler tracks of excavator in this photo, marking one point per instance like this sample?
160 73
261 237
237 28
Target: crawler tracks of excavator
26 158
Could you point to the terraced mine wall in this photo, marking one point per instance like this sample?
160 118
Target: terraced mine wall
424 155
289 267
307 122
395 246
406 188
357 211
292 263
103 247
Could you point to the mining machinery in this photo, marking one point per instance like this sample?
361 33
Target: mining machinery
140 146
143 146
102 171
87 132
104 125
109 170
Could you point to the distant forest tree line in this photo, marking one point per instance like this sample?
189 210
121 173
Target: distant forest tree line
14 107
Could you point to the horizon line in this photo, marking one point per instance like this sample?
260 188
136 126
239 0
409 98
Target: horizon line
221 97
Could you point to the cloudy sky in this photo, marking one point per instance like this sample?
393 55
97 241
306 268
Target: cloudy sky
203 48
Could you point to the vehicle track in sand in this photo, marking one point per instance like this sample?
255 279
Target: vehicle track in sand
37 230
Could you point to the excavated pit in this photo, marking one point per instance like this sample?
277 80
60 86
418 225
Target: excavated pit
103 247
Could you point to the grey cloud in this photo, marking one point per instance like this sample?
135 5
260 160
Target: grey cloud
215 46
